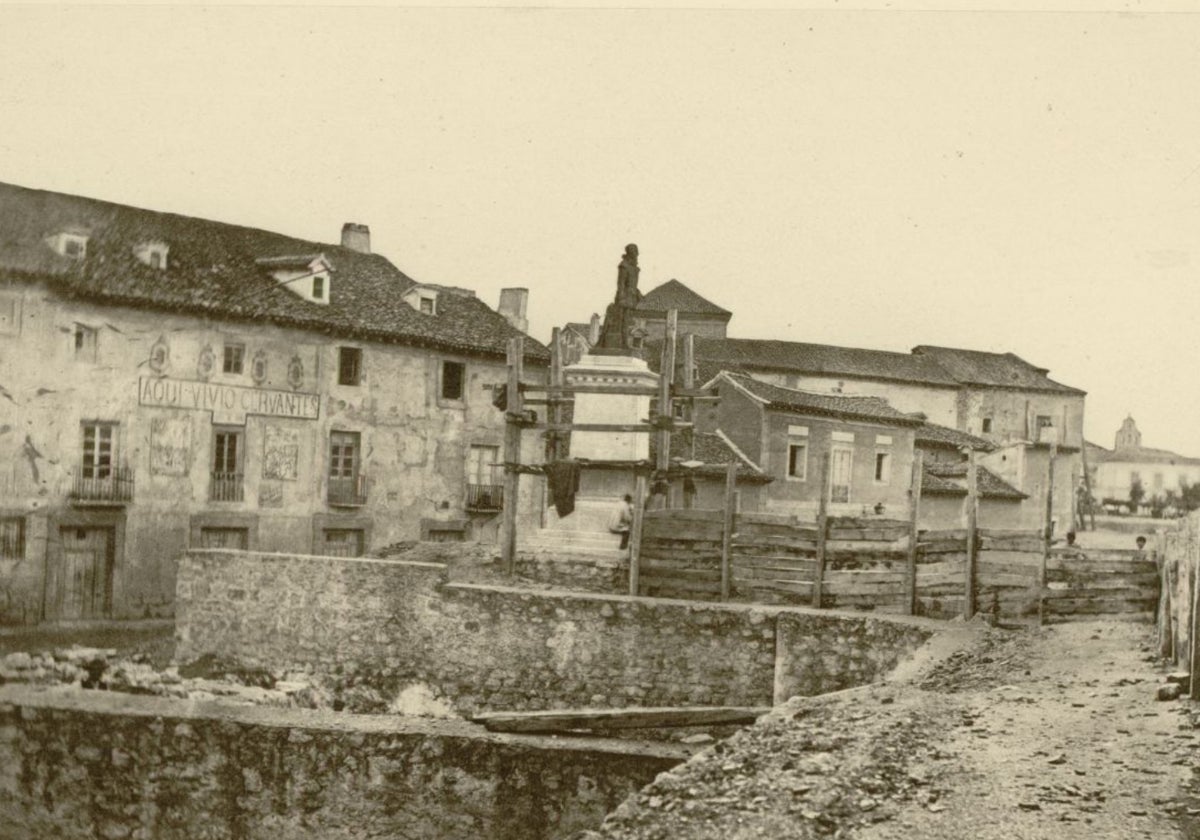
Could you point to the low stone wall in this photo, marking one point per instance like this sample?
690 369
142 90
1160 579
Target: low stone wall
379 628
91 764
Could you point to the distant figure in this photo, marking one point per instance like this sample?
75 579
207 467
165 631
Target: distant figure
1070 538
622 519
1141 543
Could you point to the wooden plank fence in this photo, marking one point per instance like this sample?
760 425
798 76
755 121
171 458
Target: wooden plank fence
867 564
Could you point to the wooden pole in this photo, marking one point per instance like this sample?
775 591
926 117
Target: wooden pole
665 379
822 531
557 450
972 534
910 570
635 532
1047 533
512 454
1193 642
727 530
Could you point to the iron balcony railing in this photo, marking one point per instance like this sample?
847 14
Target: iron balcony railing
102 484
226 487
348 492
485 496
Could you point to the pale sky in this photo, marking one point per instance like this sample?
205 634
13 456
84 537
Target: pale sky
1003 180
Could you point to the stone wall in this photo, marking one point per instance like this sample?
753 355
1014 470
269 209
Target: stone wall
374 628
92 764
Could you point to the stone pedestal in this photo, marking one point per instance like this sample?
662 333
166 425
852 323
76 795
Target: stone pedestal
611 372
600 488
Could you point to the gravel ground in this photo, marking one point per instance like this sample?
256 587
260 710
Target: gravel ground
1044 733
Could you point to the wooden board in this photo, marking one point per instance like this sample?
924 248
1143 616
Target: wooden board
569 719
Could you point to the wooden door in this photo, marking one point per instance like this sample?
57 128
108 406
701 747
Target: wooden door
80 585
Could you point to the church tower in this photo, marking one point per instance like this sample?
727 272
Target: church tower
1128 436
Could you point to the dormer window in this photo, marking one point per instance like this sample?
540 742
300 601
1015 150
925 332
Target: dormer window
306 275
153 254
70 244
424 299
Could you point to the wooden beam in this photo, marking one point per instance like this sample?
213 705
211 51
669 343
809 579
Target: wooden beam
623 390
635 532
972 535
601 427
727 530
910 568
822 530
512 455
689 362
634 718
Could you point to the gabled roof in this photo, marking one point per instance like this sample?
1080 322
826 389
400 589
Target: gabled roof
821 359
714 450
871 409
951 480
995 370
214 271
932 435
675 295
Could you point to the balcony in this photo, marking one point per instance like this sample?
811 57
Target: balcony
99 486
485 498
348 492
226 487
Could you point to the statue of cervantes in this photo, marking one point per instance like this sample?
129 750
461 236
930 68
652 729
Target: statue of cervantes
618 318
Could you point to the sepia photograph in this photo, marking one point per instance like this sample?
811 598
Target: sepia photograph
690 421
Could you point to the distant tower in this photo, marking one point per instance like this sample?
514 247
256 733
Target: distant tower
1128 436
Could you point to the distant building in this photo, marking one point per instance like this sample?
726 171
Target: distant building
171 382
1000 398
697 315
1115 471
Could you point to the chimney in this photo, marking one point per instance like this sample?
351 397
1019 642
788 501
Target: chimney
594 330
356 237
513 303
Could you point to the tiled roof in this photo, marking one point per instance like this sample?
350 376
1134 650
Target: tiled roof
821 359
1137 455
675 295
933 435
997 370
872 409
213 271
710 448
951 479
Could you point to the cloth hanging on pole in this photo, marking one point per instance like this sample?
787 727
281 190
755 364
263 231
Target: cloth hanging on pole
562 478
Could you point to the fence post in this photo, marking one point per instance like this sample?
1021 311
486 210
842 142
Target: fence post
512 454
910 571
822 532
1193 645
635 533
727 530
972 534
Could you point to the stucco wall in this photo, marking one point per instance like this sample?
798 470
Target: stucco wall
94 764
391 625
413 445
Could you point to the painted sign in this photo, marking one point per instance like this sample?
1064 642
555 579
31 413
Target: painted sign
170 445
281 453
227 399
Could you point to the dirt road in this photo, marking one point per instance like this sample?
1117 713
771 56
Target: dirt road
1048 733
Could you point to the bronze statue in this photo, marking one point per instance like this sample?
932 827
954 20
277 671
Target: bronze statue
618 318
